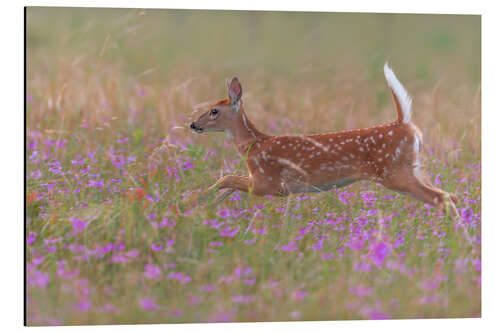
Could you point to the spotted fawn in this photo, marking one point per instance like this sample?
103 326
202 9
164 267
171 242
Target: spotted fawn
389 154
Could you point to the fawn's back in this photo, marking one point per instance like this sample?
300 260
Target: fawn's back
319 162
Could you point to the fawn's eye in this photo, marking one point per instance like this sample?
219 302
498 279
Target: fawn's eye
214 112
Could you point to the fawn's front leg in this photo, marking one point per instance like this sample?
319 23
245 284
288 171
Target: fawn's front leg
241 183
230 182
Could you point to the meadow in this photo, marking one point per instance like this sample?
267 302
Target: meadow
112 166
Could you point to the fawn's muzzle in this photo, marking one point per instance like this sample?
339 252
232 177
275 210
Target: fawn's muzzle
196 128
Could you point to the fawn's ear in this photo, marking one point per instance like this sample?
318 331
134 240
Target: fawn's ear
234 91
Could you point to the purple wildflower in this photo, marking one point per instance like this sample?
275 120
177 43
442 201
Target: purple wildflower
289 247
249 281
36 174
318 246
31 237
345 196
375 314
84 305
228 232
107 308
327 256
148 304
369 198
250 241
299 295
78 225
242 299
224 213
360 291
152 272
437 181
62 272
38 278
378 252
156 247
179 276
208 288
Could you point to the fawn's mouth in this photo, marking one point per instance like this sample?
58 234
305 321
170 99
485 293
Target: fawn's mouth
196 128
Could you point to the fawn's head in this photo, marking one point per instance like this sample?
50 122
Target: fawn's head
223 114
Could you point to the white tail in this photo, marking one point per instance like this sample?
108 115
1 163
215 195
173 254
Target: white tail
388 154
401 96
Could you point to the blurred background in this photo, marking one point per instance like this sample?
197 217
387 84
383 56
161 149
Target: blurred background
422 47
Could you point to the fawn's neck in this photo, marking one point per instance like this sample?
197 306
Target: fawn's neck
244 134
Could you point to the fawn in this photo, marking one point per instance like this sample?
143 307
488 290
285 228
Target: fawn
389 154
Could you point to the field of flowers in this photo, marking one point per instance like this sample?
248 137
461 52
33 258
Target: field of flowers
112 166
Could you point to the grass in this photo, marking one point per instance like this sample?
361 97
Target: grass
109 94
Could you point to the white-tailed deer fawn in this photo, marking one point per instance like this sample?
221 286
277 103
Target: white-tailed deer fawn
389 154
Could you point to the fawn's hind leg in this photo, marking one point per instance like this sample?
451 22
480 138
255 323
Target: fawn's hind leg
423 176
409 182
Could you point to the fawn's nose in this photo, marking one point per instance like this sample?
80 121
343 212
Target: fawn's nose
193 126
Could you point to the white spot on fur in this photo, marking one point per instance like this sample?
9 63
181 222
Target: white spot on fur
416 144
258 165
316 143
292 165
396 154
264 155
246 125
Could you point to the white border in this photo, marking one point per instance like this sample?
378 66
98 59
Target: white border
380 6
11 310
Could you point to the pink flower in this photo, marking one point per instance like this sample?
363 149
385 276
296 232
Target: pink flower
156 247
242 299
228 232
289 247
179 276
299 295
152 272
375 314
378 252
78 225
38 278
148 304
361 291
